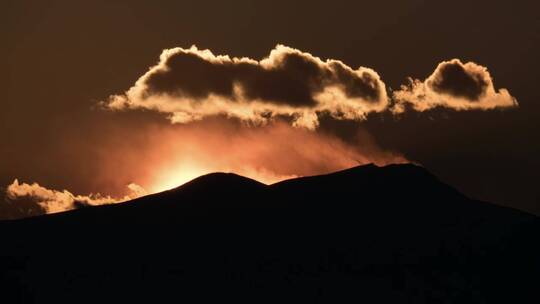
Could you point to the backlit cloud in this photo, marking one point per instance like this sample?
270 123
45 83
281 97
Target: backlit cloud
190 84
454 85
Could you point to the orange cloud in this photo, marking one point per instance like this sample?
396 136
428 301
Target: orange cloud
455 85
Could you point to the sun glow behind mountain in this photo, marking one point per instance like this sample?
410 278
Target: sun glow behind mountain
184 172
176 176
268 154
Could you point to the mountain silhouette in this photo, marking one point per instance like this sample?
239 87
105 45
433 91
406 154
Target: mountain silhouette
376 234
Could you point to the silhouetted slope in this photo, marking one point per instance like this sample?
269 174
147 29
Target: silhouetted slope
378 234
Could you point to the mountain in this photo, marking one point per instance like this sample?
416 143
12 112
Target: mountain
375 234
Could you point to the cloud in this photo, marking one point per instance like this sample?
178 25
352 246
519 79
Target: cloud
191 84
454 85
52 201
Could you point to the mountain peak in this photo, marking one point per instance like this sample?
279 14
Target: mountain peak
219 180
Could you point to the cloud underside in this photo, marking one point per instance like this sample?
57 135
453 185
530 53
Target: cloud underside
191 84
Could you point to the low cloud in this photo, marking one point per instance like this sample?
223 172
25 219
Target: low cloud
454 85
52 201
191 84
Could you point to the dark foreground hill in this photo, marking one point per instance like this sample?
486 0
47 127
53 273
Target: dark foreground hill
390 234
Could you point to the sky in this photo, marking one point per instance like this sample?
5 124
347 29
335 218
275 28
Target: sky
104 101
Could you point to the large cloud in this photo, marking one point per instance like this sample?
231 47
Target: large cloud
455 85
190 84
51 201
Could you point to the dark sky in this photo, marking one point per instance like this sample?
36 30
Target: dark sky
60 57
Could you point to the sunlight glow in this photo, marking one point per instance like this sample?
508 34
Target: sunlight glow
177 176
184 172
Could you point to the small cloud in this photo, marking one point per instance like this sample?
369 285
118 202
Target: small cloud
52 201
454 85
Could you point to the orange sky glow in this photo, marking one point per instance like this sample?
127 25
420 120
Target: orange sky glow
159 157
268 154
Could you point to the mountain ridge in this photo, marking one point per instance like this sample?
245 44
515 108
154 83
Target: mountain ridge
233 180
378 234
